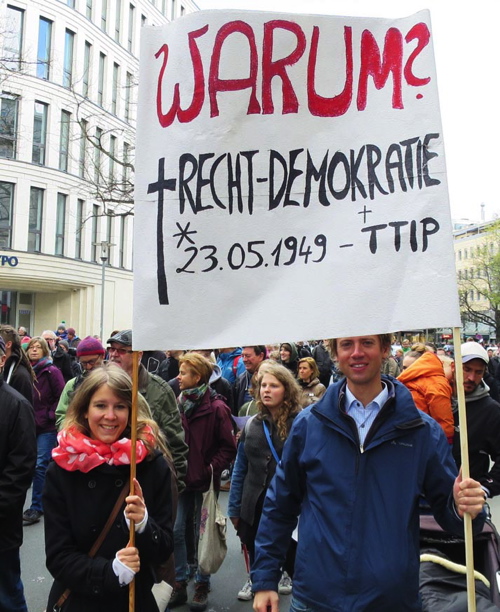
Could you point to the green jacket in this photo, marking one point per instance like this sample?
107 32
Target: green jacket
64 401
163 405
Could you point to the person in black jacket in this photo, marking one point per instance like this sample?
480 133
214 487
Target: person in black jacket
483 421
17 371
60 358
17 465
90 468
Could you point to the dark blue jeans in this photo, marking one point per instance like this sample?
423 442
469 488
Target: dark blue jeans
11 587
45 442
189 504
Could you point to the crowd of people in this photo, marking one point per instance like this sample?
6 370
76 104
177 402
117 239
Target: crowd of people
316 429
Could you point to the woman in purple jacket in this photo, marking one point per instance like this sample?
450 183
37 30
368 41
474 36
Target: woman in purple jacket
47 390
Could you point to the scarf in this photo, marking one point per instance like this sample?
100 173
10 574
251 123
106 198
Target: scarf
190 398
40 364
78 452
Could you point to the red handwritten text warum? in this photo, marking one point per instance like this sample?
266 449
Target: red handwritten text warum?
374 64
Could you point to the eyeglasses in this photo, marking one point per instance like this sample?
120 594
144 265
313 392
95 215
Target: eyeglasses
90 363
120 351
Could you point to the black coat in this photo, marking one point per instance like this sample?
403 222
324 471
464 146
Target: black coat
17 463
76 507
62 360
20 379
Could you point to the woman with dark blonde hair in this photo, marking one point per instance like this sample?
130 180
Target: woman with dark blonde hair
47 389
91 468
308 377
206 419
259 450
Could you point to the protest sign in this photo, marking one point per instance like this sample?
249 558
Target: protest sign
290 181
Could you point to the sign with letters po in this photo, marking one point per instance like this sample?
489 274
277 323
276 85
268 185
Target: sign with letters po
290 181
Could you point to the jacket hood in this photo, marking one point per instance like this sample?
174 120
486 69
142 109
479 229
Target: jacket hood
482 390
294 353
230 356
427 365
216 374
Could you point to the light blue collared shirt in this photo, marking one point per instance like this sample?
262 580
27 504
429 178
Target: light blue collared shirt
364 415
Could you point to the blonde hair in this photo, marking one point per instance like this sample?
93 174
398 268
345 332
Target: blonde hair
291 400
312 364
198 365
43 345
120 384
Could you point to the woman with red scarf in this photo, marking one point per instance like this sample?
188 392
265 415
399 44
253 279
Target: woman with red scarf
90 469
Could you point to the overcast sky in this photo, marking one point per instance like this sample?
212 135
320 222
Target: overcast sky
466 50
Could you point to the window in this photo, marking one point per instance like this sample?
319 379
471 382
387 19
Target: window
123 230
97 155
43 53
118 20
79 229
114 94
109 229
144 20
13 38
64 141
87 56
471 295
460 275
131 25
35 220
100 85
95 228
174 9
82 162
128 93
104 15
478 296
88 9
8 125
70 3
112 155
60 223
6 214
466 253
465 274
69 44
459 255
39 133
183 11
126 161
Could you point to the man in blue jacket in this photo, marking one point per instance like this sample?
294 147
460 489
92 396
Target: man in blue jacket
353 468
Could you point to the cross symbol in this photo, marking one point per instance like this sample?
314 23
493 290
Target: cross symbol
159 187
364 212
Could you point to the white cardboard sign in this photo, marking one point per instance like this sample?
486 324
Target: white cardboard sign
290 181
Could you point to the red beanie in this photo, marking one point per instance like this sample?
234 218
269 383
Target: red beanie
89 346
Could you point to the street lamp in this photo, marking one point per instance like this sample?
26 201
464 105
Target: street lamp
105 246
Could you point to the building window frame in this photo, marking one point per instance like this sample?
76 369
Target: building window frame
40 118
44 48
9 115
7 191
35 220
64 140
79 228
13 38
62 199
69 53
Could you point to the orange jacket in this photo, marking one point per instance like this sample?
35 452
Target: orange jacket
430 390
